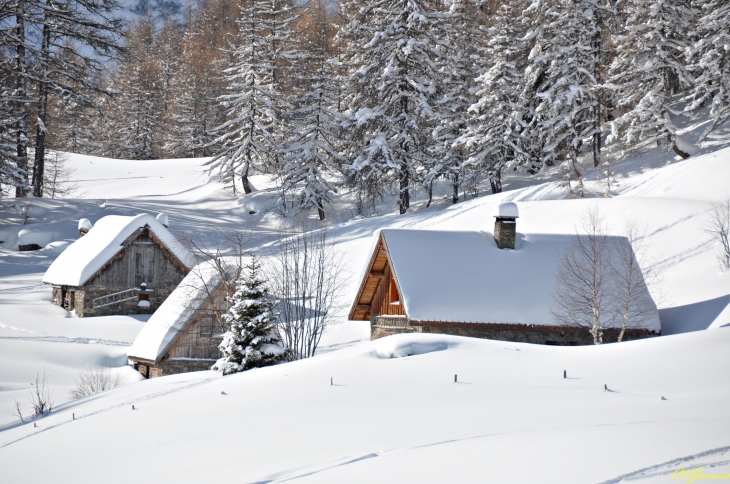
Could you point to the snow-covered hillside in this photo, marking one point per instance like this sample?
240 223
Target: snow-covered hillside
511 418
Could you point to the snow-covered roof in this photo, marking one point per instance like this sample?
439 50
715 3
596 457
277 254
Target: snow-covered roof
82 259
463 276
174 315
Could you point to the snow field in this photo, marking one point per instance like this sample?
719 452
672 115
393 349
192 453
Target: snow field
512 416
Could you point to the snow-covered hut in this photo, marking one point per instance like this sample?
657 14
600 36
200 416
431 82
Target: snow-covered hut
184 333
121 265
462 283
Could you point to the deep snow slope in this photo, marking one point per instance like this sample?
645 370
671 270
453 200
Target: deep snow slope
512 417
391 417
671 201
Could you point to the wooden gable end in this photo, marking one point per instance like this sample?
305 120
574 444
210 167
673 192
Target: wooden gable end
143 258
203 333
378 293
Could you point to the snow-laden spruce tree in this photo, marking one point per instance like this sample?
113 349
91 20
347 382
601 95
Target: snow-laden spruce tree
10 173
494 135
392 47
135 114
194 106
15 97
252 133
709 61
568 110
252 340
648 70
312 158
458 67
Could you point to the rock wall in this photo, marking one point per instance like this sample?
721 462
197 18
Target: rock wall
381 326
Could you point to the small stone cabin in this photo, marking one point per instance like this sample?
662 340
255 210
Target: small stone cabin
487 285
184 333
122 265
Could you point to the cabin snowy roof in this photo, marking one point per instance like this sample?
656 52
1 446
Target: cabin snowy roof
82 259
174 315
463 277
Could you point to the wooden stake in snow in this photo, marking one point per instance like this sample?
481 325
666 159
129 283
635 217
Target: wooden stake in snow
33 424
605 387
73 416
565 374
331 382
455 379
132 407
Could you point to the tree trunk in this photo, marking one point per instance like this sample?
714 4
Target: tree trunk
405 199
495 181
455 195
597 47
320 208
40 140
430 194
21 91
244 176
681 153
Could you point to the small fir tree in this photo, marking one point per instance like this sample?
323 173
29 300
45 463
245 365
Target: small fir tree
252 340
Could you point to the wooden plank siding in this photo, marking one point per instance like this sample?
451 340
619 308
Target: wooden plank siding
200 340
141 261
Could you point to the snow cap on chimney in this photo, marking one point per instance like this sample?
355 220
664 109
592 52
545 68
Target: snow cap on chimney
84 226
505 225
162 218
507 210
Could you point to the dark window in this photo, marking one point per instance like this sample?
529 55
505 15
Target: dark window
206 325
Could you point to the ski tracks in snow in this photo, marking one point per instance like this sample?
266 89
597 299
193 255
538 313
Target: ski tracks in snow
660 469
707 459
65 339
80 416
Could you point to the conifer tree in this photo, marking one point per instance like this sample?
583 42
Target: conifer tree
392 49
251 135
312 159
252 340
136 117
648 70
709 61
567 91
494 135
459 67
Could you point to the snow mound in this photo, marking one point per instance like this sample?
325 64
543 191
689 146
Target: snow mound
399 346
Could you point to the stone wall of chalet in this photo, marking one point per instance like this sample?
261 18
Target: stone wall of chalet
172 366
381 326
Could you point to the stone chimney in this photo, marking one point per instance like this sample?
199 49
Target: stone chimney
84 226
162 218
505 225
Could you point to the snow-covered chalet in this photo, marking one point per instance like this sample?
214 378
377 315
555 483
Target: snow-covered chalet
121 265
498 285
184 333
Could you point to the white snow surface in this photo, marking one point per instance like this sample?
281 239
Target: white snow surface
386 416
453 276
175 313
82 259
